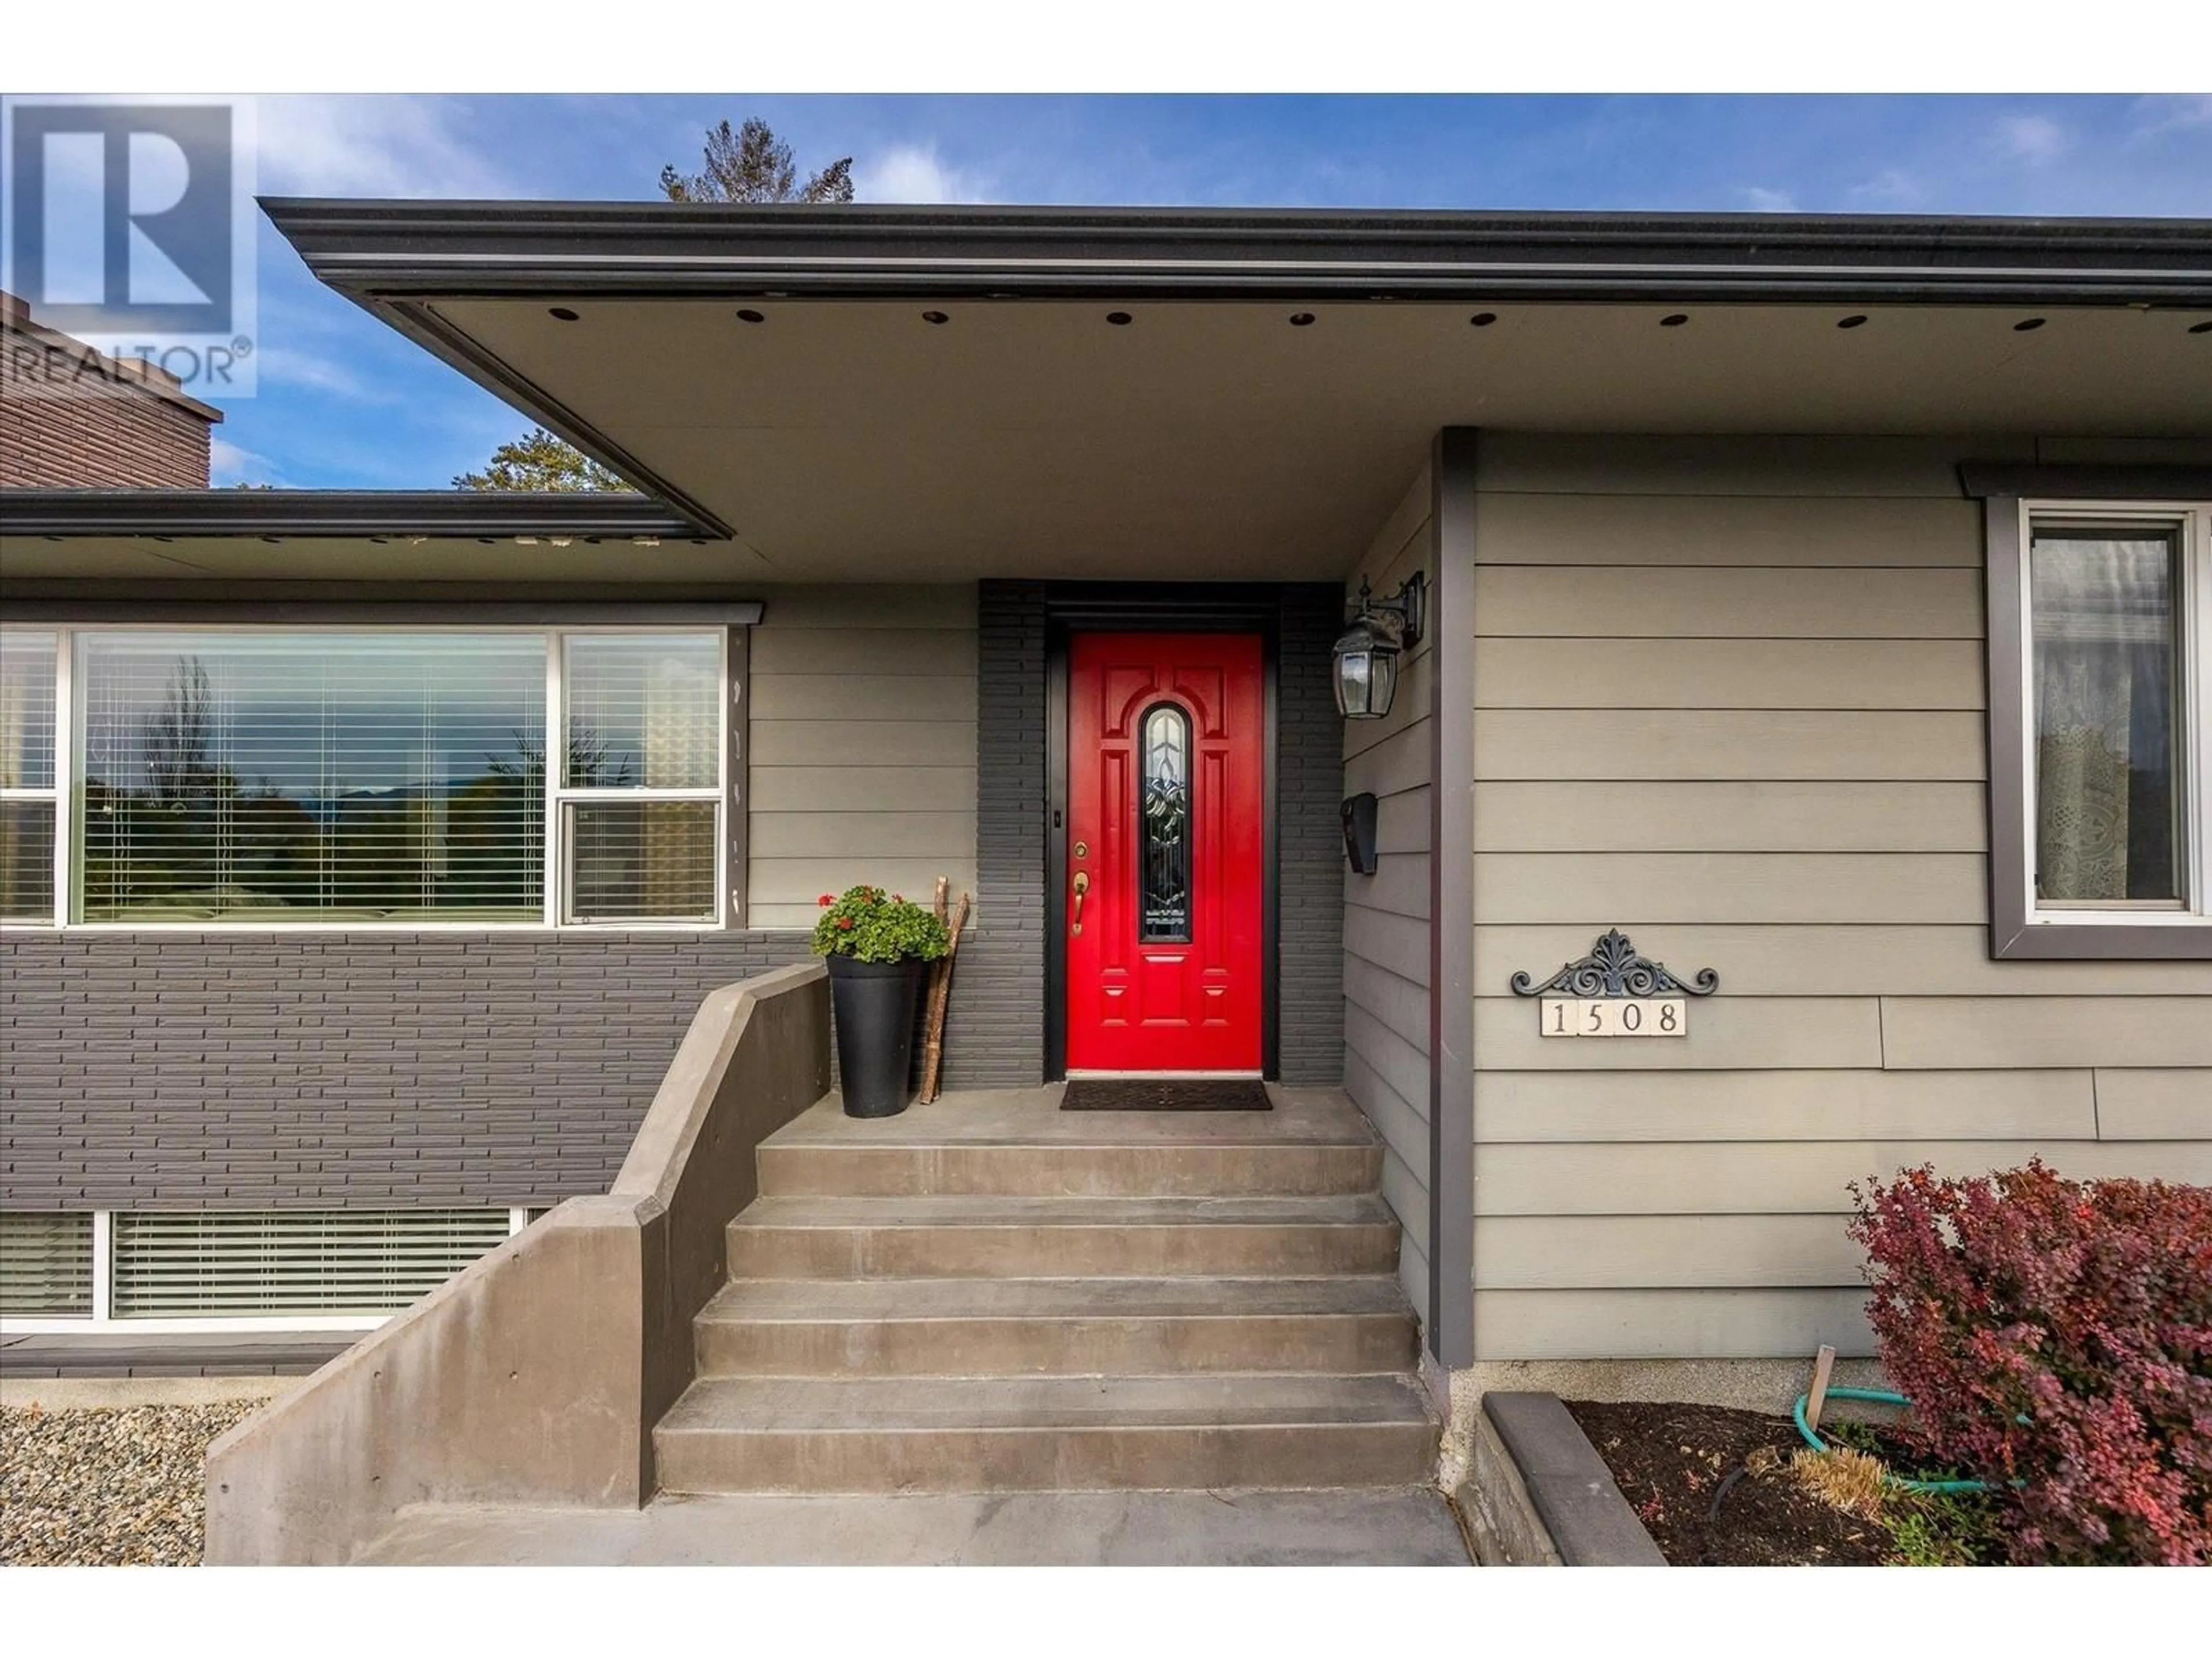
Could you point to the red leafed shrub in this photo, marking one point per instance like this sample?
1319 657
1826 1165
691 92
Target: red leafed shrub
2055 1339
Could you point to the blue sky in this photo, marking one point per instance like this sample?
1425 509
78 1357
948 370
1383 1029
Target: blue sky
344 403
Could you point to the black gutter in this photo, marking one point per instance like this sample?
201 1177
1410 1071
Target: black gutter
379 252
338 513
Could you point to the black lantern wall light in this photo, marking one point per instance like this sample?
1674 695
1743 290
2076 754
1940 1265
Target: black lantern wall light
1366 657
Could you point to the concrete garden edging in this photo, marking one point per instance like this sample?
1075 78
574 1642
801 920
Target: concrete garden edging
535 1376
1537 1493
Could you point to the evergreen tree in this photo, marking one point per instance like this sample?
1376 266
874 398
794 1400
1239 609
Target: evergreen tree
539 461
751 164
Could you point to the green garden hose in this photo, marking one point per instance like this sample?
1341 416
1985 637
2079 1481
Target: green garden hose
1880 1397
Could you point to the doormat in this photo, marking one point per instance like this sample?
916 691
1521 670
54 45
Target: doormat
1180 1094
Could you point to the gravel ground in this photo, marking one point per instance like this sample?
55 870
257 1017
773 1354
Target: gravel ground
119 1487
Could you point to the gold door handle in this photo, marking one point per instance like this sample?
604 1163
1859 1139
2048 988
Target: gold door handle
1082 886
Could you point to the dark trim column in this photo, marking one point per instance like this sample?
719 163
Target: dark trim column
998 990
1451 898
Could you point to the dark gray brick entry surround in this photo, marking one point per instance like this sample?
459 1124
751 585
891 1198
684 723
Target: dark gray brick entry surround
246 1070
1000 987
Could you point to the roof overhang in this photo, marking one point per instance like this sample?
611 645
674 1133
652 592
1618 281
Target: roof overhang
151 535
1285 373
384 250
335 513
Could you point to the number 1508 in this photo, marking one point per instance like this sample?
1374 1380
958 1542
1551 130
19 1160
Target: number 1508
1655 1017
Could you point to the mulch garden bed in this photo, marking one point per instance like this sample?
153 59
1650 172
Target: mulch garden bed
1714 1486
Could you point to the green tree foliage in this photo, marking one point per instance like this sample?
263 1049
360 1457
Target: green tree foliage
751 164
538 461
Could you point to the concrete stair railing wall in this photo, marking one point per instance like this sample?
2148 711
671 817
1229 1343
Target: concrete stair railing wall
536 1376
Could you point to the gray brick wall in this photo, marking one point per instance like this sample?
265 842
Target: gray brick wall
996 1022
200 1071
1310 759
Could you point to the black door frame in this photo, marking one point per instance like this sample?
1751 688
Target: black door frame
1073 608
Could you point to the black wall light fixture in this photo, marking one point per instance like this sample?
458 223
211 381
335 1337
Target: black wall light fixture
1366 656
1359 821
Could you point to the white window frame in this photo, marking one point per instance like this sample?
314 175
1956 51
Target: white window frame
56 793
2022 927
560 797
103 1321
555 907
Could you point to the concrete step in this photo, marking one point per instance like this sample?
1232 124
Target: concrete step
1055 1327
1069 1169
1039 1434
1378 1527
947 1236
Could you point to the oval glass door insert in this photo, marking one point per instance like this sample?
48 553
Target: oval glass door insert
1163 827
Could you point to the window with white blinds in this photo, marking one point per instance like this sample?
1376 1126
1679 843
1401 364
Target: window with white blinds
640 783
45 1263
29 801
346 777
336 777
258 1264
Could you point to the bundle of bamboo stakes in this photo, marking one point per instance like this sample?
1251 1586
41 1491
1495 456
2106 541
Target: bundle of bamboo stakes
940 992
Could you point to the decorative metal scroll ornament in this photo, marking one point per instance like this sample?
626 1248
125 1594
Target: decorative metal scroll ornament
1613 970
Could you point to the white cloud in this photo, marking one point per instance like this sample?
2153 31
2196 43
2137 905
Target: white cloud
912 172
230 464
2162 114
1763 200
2033 137
1893 188
370 146
306 368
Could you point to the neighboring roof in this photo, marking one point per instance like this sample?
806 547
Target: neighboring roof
125 376
335 513
393 248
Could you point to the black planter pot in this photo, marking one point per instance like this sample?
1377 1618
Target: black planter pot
874 1003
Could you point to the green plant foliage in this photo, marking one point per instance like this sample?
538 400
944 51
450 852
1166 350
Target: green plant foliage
870 925
1942 1529
538 462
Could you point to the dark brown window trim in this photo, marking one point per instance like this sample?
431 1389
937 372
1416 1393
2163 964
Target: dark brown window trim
2014 936
1995 480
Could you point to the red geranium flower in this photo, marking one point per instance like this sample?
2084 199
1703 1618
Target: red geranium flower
845 922
825 901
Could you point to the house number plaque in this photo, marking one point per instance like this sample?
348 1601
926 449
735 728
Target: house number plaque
1614 993
1604 1017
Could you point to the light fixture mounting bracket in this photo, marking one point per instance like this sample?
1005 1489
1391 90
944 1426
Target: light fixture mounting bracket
1401 615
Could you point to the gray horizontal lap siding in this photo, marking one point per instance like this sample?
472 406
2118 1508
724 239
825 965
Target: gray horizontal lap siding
1729 697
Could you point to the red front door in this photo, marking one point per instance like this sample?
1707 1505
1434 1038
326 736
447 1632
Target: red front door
1164 852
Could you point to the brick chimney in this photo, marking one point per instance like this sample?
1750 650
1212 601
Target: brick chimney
71 417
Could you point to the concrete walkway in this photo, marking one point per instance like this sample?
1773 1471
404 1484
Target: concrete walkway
1366 1528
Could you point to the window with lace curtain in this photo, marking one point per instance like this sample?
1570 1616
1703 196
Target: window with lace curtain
2107 692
